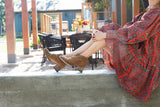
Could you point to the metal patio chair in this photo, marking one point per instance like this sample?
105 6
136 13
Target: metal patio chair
53 43
79 39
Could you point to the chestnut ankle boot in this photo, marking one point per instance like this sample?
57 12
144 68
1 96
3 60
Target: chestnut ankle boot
55 59
79 61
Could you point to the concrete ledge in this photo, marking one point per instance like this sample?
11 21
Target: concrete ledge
25 56
10 64
99 89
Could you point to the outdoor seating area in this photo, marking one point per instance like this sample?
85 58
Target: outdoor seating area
29 79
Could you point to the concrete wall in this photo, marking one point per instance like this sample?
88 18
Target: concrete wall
101 90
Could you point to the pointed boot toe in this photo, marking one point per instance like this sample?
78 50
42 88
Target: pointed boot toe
79 60
55 59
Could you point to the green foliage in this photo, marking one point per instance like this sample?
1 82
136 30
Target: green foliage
39 42
2 14
129 4
100 5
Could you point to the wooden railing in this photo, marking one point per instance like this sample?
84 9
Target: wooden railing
49 25
45 23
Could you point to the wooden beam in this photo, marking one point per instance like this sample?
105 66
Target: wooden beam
135 7
42 22
10 30
91 14
25 26
34 25
82 11
123 12
115 11
44 27
113 17
95 20
60 24
46 23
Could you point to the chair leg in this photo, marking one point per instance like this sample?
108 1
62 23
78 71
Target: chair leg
64 51
91 62
43 59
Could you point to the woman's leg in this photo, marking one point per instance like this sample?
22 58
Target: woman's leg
81 60
95 47
81 49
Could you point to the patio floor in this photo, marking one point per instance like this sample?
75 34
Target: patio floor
32 65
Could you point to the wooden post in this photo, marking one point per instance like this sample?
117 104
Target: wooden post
50 27
10 30
95 20
105 10
82 12
115 11
91 14
123 12
25 26
46 23
113 17
135 7
34 25
60 24
42 23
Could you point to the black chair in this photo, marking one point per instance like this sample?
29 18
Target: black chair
79 39
145 3
53 43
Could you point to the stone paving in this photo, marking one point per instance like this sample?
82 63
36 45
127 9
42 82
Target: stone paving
33 64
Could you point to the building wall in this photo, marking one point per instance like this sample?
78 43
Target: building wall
67 15
18 24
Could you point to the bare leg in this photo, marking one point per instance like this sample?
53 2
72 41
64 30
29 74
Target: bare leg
95 47
81 49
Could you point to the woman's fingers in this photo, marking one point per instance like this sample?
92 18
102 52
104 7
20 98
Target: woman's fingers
94 31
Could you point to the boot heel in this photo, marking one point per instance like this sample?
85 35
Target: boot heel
80 69
57 68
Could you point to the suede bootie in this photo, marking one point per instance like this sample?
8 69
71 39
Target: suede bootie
79 61
55 59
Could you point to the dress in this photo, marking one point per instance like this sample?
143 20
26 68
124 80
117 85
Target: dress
135 52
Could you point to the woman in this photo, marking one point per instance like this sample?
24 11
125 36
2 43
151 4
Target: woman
134 52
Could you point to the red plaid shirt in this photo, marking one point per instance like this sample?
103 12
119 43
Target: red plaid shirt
135 52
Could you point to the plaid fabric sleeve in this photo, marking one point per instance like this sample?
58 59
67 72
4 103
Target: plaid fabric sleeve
137 32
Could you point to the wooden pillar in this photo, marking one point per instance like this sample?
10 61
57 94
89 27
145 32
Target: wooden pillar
115 11
10 30
34 25
46 23
95 20
105 10
60 24
123 12
91 14
50 27
42 23
82 11
135 7
25 26
113 17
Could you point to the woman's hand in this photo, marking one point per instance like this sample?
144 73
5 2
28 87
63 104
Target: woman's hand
98 35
